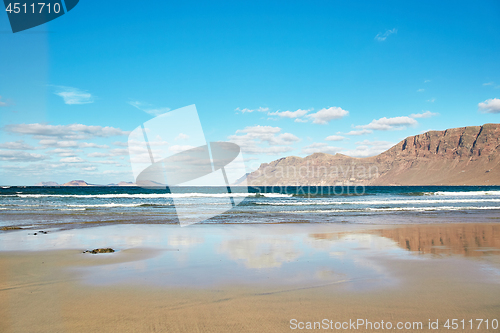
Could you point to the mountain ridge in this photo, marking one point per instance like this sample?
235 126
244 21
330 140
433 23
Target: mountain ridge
457 156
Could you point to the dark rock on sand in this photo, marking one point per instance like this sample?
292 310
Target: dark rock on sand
103 250
10 228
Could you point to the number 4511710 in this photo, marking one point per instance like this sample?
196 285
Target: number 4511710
39 8
462 324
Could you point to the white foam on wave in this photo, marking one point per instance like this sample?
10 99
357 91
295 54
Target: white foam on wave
133 196
393 209
108 205
313 202
150 195
464 193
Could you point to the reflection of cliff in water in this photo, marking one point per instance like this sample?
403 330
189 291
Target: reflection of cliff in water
465 239
472 240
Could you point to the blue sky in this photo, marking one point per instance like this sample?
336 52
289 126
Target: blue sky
277 77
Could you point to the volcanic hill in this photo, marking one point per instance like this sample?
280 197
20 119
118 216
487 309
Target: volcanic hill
458 156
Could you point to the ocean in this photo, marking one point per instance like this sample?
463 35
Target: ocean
75 207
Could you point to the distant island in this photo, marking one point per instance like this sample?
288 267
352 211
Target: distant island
82 183
457 156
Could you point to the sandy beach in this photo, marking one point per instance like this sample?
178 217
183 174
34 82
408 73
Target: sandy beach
249 166
249 278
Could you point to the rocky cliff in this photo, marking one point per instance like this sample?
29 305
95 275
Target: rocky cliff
458 156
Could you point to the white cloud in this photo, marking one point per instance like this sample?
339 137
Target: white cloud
335 138
360 132
179 148
116 172
108 162
325 115
368 148
427 81
17 145
72 95
320 148
58 143
492 84
68 151
53 143
387 124
491 105
284 139
2 103
432 100
383 36
65 152
72 160
258 130
298 120
72 132
426 114
110 153
289 114
268 134
384 144
92 168
420 90
92 145
245 110
182 136
273 150
263 140
98 155
148 108
261 109
20 156
118 152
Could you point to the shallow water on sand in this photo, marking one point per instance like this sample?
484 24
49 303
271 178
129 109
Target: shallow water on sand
282 255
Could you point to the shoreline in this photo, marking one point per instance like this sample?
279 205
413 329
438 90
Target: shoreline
65 221
247 277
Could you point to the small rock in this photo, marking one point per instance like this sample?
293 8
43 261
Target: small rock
103 250
10 228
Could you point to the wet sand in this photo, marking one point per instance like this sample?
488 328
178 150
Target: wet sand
249 278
